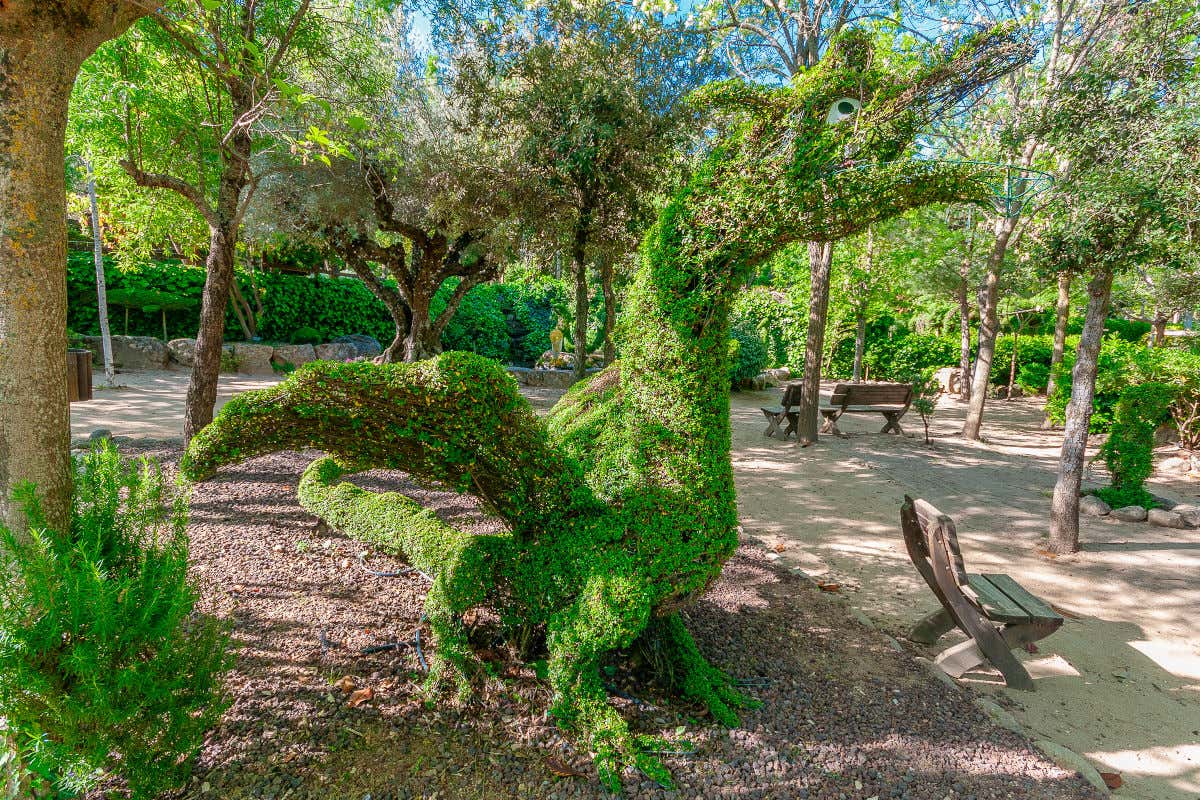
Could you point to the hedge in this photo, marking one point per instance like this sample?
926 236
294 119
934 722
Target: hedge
508 322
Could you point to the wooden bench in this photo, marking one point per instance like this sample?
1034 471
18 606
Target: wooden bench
994 610
777 414
890 399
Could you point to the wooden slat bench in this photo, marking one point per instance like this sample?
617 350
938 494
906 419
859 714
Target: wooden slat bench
890 399
778 414
994 610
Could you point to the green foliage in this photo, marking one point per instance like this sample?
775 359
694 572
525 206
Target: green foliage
1120 364
1032 352
305 335
331 306
104 665
229 360
530 312
925 394
479 326
1129 449
781 320
1033 377
893 352
747 353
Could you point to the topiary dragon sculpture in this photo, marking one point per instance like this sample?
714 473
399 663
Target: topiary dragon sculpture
620 506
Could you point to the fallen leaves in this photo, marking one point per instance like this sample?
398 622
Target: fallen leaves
829 587
361 696
1112 780
346 684
562 769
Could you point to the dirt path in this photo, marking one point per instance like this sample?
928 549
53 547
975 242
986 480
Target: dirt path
1119 683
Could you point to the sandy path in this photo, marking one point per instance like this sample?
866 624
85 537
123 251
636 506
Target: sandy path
1120 684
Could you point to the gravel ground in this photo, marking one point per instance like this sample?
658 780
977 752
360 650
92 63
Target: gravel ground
843 715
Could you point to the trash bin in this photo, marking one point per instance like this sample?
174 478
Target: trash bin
79 375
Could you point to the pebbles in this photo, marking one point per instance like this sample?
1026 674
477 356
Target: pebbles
843 715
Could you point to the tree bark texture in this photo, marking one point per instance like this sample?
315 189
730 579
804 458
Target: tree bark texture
579 273
610 309
210 340
860 340
820 262
1062 312
989 327
101 284
1064 508
42 46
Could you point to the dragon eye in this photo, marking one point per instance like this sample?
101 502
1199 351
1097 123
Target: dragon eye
841 109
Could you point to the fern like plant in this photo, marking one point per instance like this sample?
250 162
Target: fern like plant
105 667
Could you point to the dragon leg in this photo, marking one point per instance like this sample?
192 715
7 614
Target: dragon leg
461 563
609 614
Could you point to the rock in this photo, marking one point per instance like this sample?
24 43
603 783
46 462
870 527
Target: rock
294 354
100 435
1177 465
1129 514
548 378
1167 519
949 379
1190 514
777 377
364 346
756 384
182 351
1093 506
1069 759
130 352
253 359
336 351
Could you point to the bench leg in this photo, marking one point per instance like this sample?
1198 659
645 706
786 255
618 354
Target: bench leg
773 421
893 423
830 423
998 651
932 627
793 426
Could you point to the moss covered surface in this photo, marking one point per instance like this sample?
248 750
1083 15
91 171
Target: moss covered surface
621 505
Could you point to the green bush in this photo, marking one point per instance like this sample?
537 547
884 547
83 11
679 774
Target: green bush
780 320
1033 377
479 326
1033 352
104 665
1129 449
331 306
1120 364
306 335
529 311
748 354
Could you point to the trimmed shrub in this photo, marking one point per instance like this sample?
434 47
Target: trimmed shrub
748 354
104 666
1129 449
331 306
479 326
306 335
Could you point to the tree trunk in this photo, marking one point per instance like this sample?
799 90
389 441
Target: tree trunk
820 261
610 309
964 341
860 340
40 54
245 314
579 272
1012 365
101 285
1064 508
1062 312
989 327
206 369
1158 334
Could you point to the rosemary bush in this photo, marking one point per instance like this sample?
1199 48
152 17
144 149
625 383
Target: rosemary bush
105 667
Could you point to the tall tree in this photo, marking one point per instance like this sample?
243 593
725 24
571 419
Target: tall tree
195 97
1127 125
42 45
999 130
593 93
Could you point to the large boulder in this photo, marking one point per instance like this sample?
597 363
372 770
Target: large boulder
949 380
253 359
777 377
182 351
294 354
1190 514
130 352
1093 506
336 351
1167 519
1129 514
364 346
